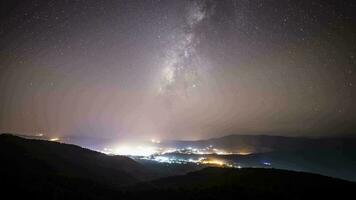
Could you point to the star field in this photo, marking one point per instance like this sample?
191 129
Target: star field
178 68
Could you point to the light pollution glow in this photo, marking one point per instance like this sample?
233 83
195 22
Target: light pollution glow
178 69
166 154
148 150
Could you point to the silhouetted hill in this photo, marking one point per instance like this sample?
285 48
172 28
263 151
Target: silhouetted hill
25 158
49 170
249 183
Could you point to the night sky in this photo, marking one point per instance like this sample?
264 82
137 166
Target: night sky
179 69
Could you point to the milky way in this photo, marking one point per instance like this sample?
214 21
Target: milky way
182 63
177 68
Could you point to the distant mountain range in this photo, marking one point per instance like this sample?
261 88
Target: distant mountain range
266 143
334 157
50 170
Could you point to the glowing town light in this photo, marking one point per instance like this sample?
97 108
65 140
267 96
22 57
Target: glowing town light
108 151
243 153
134 150
221 152
212 162
169 150
163 159
267 163
55 139
155 141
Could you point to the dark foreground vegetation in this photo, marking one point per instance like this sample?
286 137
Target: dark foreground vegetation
47 170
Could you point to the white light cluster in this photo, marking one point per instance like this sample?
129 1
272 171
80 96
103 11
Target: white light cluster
131 150
203 151
168 155
155 141
55 139
153 149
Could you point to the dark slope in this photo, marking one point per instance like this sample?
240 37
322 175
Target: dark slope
25 159
249 183
49 170
340 163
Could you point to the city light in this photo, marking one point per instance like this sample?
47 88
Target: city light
131 150
155 141
267 163
55 139
153 150
244 153
212 162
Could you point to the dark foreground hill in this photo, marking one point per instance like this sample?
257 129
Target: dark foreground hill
48 170
248 183
28 159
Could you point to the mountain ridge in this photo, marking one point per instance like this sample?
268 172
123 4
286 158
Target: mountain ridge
51 170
